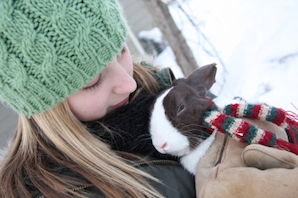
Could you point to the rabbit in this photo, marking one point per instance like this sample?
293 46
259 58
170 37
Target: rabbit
176 118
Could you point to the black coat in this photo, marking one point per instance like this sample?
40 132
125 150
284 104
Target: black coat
176 181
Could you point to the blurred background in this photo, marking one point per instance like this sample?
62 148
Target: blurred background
254 43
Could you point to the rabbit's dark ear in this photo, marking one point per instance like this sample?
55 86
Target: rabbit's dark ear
203 76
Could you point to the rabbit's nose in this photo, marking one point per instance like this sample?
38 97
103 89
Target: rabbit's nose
165 147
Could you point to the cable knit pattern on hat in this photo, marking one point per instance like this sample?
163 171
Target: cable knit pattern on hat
51 48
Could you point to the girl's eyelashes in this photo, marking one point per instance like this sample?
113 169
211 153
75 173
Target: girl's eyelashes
96 84
121 52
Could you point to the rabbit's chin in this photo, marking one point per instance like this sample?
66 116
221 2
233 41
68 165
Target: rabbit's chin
179 152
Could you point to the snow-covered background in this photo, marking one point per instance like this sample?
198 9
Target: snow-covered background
256 43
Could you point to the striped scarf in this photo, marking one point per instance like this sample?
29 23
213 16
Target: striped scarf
227 120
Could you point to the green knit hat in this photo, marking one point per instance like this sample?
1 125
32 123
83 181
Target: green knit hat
50 49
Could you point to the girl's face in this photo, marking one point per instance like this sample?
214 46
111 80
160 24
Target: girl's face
108 90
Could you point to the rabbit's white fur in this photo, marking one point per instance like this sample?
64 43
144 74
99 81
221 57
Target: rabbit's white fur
191 160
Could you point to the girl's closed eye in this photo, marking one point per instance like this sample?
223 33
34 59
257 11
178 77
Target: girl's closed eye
123 50
94 85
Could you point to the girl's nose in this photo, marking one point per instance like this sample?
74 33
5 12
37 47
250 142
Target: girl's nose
124 82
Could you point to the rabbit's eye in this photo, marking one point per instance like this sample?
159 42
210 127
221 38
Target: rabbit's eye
180 108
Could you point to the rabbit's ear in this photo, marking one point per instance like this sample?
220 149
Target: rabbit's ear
203 76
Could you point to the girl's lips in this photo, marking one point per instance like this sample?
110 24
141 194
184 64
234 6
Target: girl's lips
122 103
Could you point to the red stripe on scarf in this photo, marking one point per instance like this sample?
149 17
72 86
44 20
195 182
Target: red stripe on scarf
266 138
280 116
242 131
218 122
234 110
256 112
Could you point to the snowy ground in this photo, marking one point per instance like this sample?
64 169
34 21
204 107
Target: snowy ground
257 42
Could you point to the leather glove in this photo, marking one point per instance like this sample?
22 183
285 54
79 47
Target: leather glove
269 172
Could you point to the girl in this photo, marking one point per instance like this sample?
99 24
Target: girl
64 65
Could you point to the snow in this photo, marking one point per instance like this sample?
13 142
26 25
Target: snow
155 34
257 42
166 59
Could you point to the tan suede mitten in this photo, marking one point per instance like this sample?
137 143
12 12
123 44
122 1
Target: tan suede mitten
272 173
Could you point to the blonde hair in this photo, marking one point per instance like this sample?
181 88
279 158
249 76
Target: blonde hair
58 137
